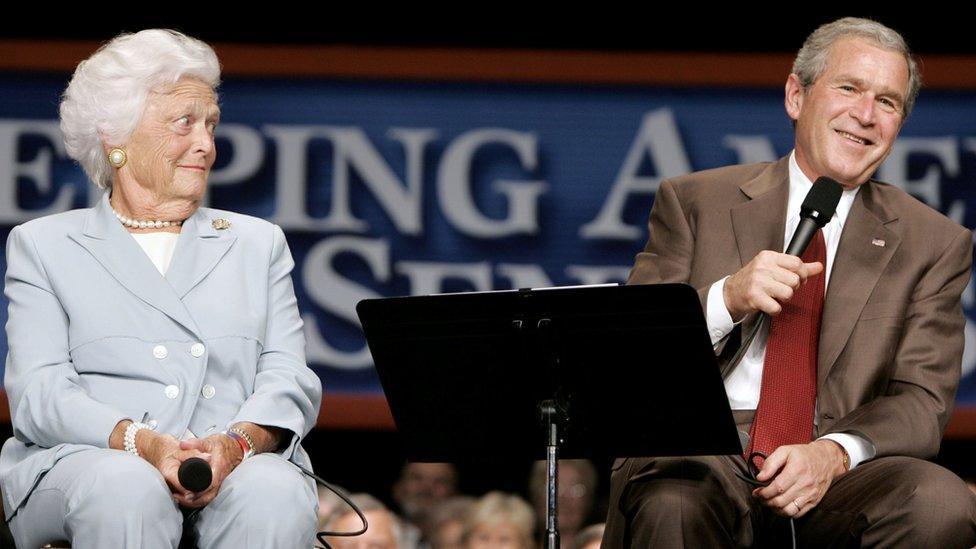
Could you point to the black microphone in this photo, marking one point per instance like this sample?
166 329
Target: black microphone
195 474
817 209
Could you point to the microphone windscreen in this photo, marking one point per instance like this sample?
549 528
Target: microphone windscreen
821 202
195 474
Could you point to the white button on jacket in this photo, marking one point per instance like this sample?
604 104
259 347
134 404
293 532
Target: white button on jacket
160 352
197 350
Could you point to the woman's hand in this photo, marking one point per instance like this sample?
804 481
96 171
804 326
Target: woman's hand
165 453
223 453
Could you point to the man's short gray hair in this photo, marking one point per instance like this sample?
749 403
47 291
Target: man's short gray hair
366 503
107 94
811 60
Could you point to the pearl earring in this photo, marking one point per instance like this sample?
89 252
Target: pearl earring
117 158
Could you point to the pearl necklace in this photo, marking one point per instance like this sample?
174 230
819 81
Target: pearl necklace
145 224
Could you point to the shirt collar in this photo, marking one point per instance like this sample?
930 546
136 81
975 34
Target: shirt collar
800 185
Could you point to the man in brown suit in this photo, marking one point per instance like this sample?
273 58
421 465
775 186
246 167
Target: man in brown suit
891 338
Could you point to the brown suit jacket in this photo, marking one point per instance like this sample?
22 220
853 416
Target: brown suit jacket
892 333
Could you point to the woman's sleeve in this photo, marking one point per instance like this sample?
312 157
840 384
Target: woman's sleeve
287 393
48 404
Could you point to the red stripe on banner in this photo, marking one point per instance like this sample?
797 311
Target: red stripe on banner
962 426
486 65
355 411
371 412
338 411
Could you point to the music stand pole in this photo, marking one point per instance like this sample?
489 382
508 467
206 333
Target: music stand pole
550 417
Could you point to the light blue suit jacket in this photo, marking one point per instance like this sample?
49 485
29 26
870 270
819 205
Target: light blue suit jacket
97 335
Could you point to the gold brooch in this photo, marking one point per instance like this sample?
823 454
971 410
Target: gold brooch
220 224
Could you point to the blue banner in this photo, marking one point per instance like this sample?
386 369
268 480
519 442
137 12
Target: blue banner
392 188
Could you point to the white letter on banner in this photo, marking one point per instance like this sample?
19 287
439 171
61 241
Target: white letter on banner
598 274
427 277
350 149
894 170
524 276
246 156
39 169
957 212
454 185
291 143
750 149
658 136
338 295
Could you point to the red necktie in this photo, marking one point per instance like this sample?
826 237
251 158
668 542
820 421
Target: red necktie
789 381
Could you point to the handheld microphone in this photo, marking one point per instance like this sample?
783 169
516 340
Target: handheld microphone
818 207
195 474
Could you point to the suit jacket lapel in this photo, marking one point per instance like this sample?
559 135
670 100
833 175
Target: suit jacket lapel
858 265
198 251
759 223
115 249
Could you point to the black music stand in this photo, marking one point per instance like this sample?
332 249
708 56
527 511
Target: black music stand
593 372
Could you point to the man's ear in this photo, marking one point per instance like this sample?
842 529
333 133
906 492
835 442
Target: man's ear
794 97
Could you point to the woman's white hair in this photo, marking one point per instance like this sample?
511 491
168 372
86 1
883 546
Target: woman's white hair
107 94
496 508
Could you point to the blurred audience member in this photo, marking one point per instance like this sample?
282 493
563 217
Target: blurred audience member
420 487
499 521
445 522
589 537
385 531
328 504
577 488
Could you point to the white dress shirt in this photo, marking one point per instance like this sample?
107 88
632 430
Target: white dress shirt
744 383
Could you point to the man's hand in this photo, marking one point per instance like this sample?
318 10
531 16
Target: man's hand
801 475
223 453
765 282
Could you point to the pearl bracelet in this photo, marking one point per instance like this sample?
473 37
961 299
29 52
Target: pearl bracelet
129 440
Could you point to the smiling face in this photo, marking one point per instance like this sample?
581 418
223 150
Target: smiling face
847 120
423 485
171 151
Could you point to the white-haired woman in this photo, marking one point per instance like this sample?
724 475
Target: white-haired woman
148 330
499 521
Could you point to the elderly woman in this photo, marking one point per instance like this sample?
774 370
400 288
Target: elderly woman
148 330
499 521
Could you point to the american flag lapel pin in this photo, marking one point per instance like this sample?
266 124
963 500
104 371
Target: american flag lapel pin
878 242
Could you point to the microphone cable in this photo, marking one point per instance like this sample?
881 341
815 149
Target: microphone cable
320 536
744 346
753 481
